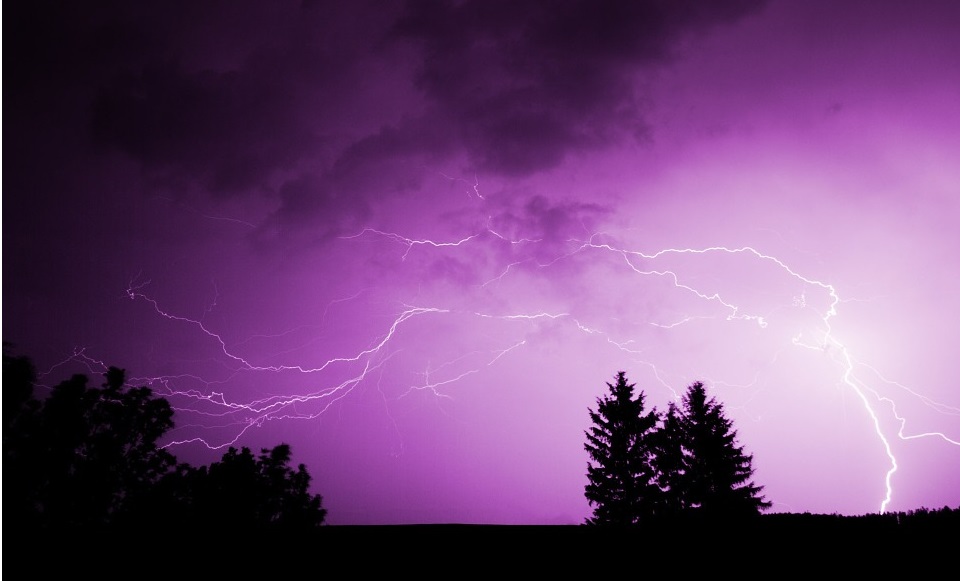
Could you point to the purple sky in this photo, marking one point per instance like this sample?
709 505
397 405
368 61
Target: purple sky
415 239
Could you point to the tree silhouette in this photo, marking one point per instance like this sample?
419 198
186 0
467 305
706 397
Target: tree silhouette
622 486
85 458
21 479
701 466
81 456
668 463
242 492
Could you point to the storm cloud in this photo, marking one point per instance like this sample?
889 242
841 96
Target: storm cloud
414 239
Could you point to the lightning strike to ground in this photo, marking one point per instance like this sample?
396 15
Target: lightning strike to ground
215 409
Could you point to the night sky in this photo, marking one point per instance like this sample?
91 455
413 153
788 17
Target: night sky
415 240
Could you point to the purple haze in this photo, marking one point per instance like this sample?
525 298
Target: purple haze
415 239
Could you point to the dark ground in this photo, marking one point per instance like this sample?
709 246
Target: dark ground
916 545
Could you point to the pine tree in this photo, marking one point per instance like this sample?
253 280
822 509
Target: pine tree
715 480
621 488
668 463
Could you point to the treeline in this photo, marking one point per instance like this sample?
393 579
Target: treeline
922 520
85 459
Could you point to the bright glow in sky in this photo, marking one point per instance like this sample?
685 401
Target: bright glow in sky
414 240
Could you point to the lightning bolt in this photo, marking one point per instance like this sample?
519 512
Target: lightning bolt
335 378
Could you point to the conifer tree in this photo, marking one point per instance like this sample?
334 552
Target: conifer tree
668 463
715 480
622 487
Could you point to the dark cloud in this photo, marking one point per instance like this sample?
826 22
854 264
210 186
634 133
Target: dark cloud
400 141
246 118
336 101
529 82
220 128
520 84
388 163
553 224
561 221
